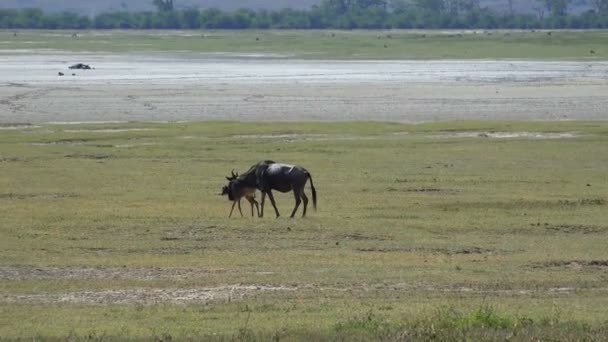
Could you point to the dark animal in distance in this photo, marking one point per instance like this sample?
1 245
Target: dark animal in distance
235 193
268 175
80 66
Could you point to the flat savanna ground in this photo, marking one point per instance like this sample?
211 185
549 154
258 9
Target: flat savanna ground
452 230
489 228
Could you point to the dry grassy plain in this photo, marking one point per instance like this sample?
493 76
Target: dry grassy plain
487 228
487 222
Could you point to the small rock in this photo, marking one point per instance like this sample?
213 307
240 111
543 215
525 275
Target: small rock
60 73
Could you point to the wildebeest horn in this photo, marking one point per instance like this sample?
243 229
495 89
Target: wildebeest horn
233 175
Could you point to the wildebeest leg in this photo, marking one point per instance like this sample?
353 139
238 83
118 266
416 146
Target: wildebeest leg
296 194
240 208
253 201
262 204
233 203
305 200
273 203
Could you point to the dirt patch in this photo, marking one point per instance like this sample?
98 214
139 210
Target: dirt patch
61 142
576 229
148 296
507 135
524 204
473 250
312 137
16 126
135 145
12 195
574 264
91 122
424 190
188 233
109 130
442 251
228 293
9 159
362 237
430 190
143 273
97 156
584 201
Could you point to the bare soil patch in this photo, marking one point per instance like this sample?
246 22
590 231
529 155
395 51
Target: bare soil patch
109 130
574 264
145 273
10 159
61 142
427 190
507 135
147 296
228 293
21 196
16 126
442 251
363 237
576 229
97 156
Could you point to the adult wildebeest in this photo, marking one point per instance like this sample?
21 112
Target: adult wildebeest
235 193
268 175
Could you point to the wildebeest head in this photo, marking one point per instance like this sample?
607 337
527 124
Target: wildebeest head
226 191
228 188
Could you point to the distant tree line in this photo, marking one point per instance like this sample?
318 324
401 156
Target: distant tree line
329 14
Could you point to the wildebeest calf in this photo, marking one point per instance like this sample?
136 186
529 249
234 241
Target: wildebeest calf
235 192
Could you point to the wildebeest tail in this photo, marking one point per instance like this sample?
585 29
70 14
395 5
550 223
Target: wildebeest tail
314 192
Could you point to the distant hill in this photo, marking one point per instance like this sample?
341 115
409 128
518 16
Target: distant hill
92 7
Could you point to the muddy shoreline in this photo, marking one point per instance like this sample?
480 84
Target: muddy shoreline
184 88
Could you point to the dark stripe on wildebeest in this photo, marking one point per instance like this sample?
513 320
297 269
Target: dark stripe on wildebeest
268 175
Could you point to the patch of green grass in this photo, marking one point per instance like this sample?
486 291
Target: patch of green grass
396 44
411 218
205 322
